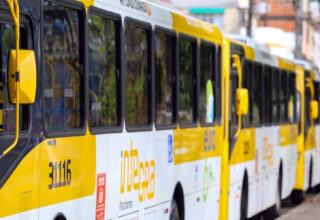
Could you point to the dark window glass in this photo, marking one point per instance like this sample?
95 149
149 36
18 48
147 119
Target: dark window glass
257 94
63 77
207 84
218 86
247 84
308 98
164 70
275 95
267 95
137 72
104 98
186 81
292 98
284 96
234 80
7 110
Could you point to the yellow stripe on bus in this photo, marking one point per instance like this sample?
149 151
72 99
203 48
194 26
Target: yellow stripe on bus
196 144
244 149
31 180
288 134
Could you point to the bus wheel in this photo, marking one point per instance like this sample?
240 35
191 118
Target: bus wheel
274 211
297 196
174 211
244 200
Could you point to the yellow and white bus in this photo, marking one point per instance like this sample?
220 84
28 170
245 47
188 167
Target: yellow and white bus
262 143
127 110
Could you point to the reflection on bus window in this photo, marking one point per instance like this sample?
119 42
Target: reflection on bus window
7 110
164 64
267 95
186 90
62 76
136 46
207 84
103 96
292 98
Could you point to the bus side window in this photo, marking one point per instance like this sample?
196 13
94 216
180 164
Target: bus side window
275 96
283 96
138 75
267 95
307 101
257 94
292 98
7 110
187 81
165 75
207 84
63 73
104 72
247 83
218 104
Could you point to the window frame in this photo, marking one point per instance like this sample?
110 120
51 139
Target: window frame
173 35
83 58
195 76
213 48
150 50
27 24
116 18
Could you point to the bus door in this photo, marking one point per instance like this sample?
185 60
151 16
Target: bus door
311 113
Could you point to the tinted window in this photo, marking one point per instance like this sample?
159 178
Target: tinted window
267 95
207 83
275 95
247 83
137 74
292 97
218 85
186 81
283 96
257 94
164 71
63 77
104 81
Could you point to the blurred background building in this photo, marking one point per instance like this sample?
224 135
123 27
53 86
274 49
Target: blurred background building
290 28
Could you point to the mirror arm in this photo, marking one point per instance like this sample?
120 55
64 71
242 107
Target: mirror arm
15 14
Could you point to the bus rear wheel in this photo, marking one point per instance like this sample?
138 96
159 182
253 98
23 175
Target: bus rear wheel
297 196
274 211
174 211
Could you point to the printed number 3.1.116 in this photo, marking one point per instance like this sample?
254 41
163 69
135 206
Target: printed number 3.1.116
60 174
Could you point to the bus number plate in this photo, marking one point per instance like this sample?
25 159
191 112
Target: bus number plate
60 173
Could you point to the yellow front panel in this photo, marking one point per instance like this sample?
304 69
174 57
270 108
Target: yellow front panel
196 144
288 134
244 149
76 156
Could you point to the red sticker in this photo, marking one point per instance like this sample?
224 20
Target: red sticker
101 196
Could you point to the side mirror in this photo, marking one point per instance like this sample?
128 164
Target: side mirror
313 109
28 76
242 101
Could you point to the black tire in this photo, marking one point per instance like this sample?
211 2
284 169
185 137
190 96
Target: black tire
174 211
274 211
297 196
244 200
310 189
